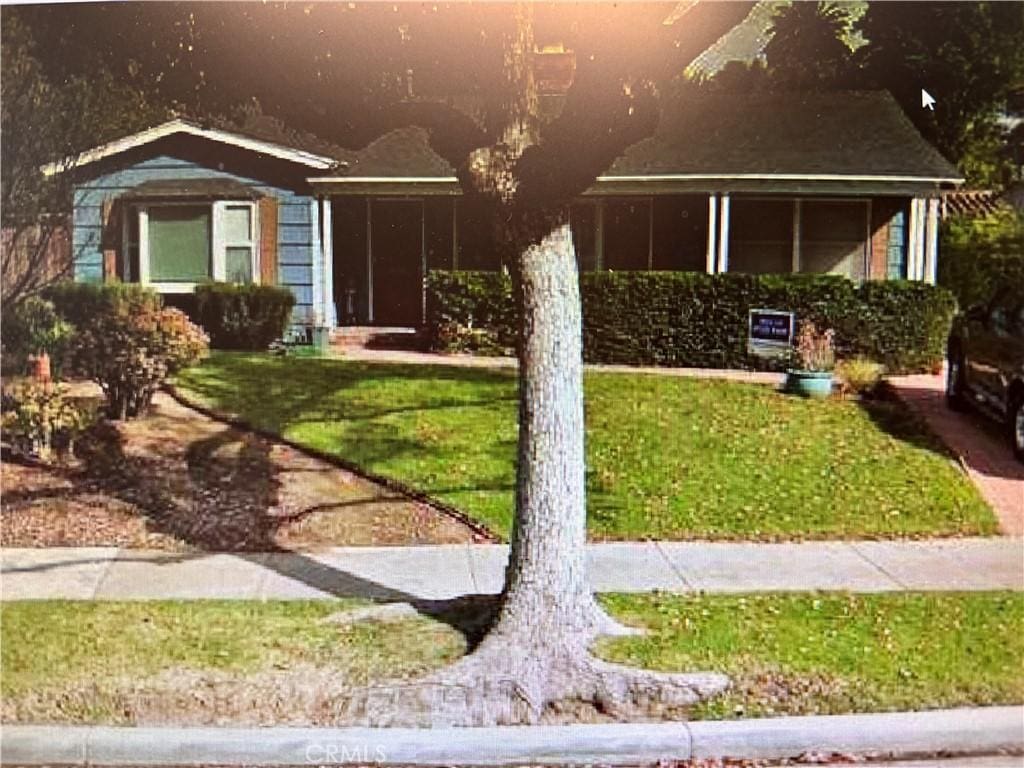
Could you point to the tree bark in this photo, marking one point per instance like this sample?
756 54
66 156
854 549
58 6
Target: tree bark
536 656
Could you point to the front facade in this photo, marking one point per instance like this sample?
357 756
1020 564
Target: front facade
831 183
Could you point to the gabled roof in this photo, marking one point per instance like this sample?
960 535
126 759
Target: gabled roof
849 135
401 153
179 126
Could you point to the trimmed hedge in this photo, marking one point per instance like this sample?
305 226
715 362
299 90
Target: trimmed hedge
243 316
79 303
699 320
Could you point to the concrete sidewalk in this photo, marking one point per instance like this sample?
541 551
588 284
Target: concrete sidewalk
444 572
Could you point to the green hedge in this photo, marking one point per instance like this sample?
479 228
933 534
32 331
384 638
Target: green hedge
79 303
699 320
243 316
979 254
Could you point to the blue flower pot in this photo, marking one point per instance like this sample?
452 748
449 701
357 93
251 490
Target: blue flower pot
809 383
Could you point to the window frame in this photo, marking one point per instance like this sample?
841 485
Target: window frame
218 242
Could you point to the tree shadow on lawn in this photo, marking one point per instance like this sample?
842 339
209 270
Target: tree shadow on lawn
919 416
276 393
228 502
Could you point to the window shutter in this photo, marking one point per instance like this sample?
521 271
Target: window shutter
110 240
268 241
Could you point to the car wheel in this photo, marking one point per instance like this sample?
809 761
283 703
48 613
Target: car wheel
955 385
1017 427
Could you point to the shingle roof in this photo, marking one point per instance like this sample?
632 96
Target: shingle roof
404 152
858 133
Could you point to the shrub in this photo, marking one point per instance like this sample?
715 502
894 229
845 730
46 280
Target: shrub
128 342
243 316
700 320
859 375
33 326
979 254
40 419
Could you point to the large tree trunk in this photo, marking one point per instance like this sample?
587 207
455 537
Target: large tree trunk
537 654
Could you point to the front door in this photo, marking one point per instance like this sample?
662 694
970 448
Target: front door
397 256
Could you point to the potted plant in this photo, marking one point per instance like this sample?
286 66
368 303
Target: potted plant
816 355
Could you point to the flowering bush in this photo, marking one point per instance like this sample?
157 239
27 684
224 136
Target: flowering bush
40 419
130 349
815 350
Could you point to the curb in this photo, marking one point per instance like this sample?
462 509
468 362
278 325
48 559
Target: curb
975 731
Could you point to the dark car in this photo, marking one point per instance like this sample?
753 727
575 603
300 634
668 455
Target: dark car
986 361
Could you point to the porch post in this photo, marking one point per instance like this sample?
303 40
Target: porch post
723 235
797 225
599 234
317 265
327 243
423 261
455 233
712 233
369 260
915 255
650 234
932 242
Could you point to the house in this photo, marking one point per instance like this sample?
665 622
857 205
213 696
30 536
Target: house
830 182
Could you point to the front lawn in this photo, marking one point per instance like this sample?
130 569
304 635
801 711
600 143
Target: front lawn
668 458
232 662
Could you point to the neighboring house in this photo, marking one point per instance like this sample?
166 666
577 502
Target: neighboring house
839 183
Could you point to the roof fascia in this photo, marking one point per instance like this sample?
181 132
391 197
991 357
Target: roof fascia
318 162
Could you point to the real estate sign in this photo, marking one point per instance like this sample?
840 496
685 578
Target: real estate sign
770 332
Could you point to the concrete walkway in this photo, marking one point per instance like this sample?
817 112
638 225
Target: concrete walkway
448 571
984 453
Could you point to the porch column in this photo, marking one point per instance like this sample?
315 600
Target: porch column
650 234
915 243
723 235
423 261
455 233
330 312
712 233
317 308
797 225
931 259
369 260
599 235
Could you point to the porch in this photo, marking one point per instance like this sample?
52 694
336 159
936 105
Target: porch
375 249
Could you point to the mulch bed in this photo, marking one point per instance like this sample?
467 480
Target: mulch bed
179 480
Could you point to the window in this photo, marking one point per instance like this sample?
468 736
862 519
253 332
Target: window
761 236
834 238
180 245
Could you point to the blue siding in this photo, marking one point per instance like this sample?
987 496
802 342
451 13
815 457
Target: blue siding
297 238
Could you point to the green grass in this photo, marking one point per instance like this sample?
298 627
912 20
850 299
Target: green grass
64 642
832 653
786 654
667 457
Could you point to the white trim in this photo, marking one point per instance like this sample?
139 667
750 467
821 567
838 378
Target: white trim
797 230
712 233
383 179
723 234
931 259
775 176
172 127
327 245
